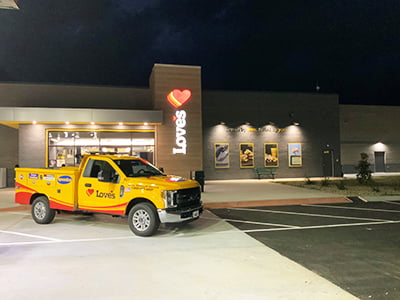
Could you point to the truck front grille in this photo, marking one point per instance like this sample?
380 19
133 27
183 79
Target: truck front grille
188 198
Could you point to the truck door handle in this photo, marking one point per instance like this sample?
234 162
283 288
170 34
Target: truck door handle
88 184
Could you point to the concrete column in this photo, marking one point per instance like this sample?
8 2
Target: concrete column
182 125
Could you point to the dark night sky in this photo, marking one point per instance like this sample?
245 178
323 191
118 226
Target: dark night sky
348 47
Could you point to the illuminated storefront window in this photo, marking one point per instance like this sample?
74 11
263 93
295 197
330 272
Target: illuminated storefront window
66 147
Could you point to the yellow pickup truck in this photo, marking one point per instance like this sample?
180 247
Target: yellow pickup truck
111 184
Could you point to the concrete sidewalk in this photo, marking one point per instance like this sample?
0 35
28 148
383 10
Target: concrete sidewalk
261 192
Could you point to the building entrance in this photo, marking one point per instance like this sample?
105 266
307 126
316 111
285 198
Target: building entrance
66 147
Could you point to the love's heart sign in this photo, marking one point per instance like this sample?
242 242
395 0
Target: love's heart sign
177 98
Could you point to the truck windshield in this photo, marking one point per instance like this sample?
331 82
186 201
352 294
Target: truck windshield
137 168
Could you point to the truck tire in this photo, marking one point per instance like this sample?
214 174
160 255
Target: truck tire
41 211
143 219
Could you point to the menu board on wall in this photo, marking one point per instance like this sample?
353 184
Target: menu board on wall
246 152
271 155
295 155
221 151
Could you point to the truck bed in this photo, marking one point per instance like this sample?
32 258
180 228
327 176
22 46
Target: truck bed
60 186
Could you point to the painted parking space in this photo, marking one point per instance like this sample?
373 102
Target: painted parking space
355 245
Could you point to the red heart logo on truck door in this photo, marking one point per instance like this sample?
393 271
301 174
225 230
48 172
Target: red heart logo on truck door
89 192
177 97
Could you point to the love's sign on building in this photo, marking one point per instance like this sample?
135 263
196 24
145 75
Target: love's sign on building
177 98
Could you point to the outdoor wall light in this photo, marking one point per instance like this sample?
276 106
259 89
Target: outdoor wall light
145 123
120 123
34 122
92 123
221 123
66 122
296 123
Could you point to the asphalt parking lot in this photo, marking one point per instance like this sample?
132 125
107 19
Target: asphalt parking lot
355 245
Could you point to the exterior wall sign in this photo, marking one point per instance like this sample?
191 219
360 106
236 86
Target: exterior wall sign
221 155
177 98
295 154
246 151
271 155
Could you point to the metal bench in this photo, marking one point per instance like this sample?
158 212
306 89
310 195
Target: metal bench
265 171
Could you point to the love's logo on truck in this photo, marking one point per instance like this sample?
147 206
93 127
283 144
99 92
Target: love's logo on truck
98 194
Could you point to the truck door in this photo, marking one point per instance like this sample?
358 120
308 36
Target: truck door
100 188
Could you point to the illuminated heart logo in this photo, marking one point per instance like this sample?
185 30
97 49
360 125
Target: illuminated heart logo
177 97
89 192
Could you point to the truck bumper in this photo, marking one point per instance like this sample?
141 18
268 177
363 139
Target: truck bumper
179 216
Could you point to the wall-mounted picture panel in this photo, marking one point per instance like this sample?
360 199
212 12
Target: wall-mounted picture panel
295 155
271 155
221 151
246 151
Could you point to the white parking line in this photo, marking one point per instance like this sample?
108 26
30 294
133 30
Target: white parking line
30 235
321 226
391 202
354 208
57 241
252 222
309 215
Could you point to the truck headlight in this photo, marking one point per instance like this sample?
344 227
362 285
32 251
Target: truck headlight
169 198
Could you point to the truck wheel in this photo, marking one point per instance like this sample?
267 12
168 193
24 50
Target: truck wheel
41 211
143 219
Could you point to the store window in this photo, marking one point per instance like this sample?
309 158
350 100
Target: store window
66 147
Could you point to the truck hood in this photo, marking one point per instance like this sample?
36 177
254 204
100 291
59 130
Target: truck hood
167 182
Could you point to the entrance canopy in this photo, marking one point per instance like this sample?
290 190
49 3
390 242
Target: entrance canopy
13 116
